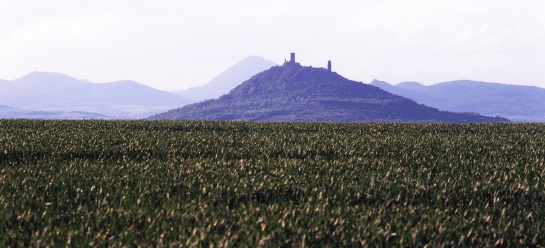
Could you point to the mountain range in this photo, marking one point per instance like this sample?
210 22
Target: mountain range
55 95
227 80
292 92
515 102
47 95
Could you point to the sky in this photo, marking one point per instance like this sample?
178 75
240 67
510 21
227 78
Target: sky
177 44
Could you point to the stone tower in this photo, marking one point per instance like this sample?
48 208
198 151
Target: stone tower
329 65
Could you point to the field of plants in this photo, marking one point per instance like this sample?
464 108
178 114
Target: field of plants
153 183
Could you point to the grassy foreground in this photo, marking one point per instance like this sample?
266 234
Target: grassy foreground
115 183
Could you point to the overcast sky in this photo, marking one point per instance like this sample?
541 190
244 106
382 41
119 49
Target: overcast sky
176 44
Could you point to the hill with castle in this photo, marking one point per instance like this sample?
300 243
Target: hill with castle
292 92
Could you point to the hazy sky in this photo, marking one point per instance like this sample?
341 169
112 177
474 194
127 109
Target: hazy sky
175 44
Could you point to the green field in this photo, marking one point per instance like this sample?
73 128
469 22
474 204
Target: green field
115 183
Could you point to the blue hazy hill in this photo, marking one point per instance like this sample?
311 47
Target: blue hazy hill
40 92
227 80
518 103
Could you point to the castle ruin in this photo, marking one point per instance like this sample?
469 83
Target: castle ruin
292 62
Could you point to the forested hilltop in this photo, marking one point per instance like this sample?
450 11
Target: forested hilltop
299 93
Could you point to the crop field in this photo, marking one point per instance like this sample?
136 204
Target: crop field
148 183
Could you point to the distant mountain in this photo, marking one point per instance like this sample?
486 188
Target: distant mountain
518 103
295 93
227 80
7 112
406 90
56 93
411 85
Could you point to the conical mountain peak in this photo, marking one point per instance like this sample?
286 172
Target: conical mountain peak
227 80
